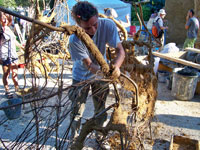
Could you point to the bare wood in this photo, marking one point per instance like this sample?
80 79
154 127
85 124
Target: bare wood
179 54
178 60
198 145
164 68
193 50
171 142
182 141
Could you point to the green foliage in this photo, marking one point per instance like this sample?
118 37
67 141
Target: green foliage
7 3
23 3
146 13
157 4
147 8
1 2
14 3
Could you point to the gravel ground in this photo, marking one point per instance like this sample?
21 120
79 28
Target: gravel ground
172 117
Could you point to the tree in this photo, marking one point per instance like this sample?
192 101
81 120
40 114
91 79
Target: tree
8 3
157 4
22 3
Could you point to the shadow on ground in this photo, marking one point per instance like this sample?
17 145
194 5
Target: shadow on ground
160 144
187 122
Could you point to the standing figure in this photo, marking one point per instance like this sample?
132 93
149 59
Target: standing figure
8 54
110 12
102 31
151 19
192 27
23 25
160 18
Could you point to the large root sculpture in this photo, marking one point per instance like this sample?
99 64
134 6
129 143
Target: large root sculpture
118 122
142 74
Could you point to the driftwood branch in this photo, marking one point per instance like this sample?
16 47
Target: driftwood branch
117 122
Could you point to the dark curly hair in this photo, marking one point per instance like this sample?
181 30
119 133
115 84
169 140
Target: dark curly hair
192 11
83 10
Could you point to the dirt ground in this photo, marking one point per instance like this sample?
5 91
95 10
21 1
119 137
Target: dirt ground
172 117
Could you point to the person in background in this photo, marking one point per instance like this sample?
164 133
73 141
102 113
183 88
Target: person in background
8 54
110 12
151 19
102 31
23 25
160 18
192 27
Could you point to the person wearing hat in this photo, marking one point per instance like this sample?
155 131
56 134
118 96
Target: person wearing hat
151 19
110 12
159 19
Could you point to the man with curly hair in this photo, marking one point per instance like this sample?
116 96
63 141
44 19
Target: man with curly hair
102 31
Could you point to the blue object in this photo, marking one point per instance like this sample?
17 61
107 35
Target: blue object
146 33
165 36
12 112
156 49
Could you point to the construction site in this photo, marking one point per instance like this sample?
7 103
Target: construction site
149 106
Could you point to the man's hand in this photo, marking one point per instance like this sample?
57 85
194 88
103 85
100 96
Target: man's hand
115 73
188 16
99 75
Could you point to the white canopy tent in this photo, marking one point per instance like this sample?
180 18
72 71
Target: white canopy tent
121 8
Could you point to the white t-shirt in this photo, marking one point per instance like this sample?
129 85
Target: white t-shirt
8 48
160 21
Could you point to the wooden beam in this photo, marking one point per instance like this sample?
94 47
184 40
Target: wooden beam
177 60
180 54
193 50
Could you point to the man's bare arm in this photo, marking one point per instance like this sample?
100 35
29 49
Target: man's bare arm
120 55
91 66
187 18
117 62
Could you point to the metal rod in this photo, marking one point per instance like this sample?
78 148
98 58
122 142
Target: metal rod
135 85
